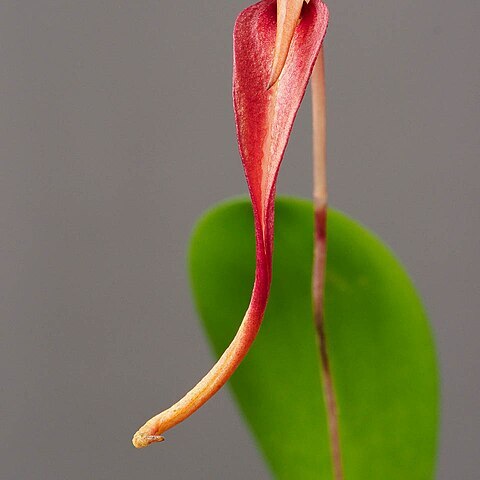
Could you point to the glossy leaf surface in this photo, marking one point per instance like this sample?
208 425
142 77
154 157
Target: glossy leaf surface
381 349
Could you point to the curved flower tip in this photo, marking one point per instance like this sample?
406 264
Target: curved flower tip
141 440
264 119
288 16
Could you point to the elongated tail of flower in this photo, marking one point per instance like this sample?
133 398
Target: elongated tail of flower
215 378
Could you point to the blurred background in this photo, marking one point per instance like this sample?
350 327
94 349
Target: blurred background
116 132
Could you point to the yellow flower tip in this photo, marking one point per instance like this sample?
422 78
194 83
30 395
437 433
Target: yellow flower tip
142 440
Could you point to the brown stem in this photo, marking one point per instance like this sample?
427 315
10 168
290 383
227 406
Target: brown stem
320 201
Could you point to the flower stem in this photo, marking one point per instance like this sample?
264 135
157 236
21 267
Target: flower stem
320 201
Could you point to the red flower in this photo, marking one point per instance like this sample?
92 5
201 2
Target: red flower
273 61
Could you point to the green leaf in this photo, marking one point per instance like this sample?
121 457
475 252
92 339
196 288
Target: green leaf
381 349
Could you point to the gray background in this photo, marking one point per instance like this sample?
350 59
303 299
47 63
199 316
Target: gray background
116 132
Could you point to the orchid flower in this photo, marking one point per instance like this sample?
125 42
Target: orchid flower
276 45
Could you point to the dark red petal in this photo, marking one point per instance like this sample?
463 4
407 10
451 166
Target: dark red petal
264 118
